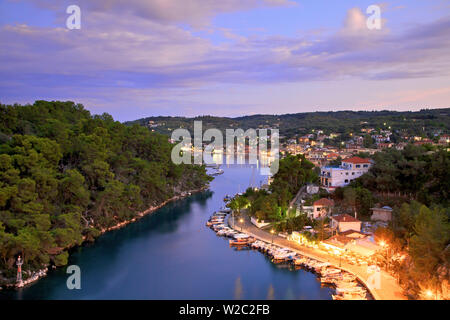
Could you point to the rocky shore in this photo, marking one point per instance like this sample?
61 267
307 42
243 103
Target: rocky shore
33 276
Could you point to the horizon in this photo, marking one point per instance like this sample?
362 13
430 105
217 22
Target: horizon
227 59
286 114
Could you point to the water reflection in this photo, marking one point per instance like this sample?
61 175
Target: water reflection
271 293
171 254
238 290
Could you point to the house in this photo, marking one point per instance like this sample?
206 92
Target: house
381 214
423 142
349 170
353 234
332 156
303 140
364 246
345 222
336 242
444 139
308 210
401 145
322 208
384 145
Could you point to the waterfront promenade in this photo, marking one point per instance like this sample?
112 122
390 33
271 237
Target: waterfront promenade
388 289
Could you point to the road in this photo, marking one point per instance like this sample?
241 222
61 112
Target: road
388 288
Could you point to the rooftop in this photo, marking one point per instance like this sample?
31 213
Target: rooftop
344 218
356 160
348 232
324 202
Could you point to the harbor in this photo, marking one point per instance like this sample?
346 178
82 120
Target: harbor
170 254
345 284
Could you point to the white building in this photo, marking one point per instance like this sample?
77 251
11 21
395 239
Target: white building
345 222
349 170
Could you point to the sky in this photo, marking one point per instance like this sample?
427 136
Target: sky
140 58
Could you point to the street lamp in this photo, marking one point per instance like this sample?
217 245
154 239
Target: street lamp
241 221
272 232
430 294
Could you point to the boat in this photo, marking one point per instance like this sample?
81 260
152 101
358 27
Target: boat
217 172
350 290
330 271
239 242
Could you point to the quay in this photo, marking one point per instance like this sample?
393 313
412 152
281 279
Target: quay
388 287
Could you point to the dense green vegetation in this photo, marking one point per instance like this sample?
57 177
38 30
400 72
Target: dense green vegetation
416 183
65 175
425 123
418 172
418 249
273 204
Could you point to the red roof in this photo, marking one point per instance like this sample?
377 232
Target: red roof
356 160
348 232
332 155
344 218
324 202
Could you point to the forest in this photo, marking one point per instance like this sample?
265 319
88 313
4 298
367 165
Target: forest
426 122
273 204
66 175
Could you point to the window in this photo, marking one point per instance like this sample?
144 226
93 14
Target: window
346 180
358 166
365 166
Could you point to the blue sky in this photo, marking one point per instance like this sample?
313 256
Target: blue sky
228 58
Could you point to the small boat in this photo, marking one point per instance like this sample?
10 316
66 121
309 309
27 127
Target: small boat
350 290
240 242
217 172
330 271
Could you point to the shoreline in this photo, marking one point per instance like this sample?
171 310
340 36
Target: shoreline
150 210
36 275
376 295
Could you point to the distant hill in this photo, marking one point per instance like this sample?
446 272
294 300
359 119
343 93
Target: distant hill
425 122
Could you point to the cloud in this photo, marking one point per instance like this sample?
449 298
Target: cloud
193 12
126 53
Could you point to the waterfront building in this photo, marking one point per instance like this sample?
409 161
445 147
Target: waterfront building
345 222
349 170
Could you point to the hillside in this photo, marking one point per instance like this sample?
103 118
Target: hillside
425 122
65 175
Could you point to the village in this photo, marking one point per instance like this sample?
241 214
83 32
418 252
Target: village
321 221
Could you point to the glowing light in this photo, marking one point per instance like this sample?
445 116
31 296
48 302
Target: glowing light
429 293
